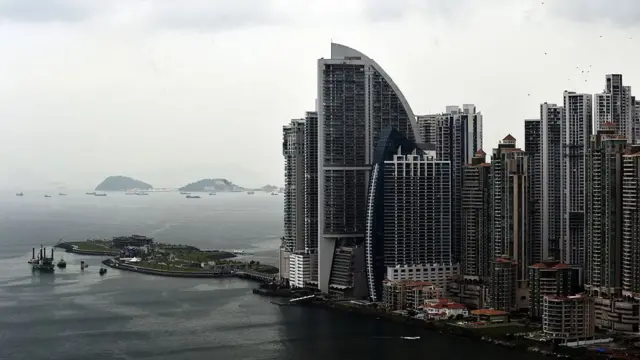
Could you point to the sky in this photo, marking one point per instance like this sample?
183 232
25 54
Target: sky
173 91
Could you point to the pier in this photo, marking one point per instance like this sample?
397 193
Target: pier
254 275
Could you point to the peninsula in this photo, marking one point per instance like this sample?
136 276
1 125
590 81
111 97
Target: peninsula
122 183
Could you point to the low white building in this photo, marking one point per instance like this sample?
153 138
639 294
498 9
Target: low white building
437 274
444 309
301 269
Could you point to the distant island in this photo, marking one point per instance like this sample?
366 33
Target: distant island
269 188
122 183
218 185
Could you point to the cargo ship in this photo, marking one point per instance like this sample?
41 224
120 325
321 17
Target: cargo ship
42 263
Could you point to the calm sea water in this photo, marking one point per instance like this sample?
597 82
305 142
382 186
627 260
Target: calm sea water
75 314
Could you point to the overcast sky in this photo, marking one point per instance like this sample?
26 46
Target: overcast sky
172 91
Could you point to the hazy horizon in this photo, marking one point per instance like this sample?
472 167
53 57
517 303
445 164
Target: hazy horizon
169 92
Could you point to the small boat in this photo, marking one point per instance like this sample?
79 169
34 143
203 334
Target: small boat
184 193
212 193
274 193
62 264
130 193
20 194
250 192
99 194
193 197
47 196
103 271
91 193
62 194
142 193
410 337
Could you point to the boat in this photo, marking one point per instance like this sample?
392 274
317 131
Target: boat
42 263
103 270
62 194
250 192
184 193
62 264
20 194
141 193
410 337
99 194
212 193
91 193
130 193
47 196
274 193
193 197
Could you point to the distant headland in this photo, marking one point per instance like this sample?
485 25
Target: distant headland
122 183
218 185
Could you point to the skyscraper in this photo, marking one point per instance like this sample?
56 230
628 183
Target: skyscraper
615 105
294 192
457 135
408 212
577 129
476 218
533 148
631 222
356 101
603 211
311 193
511 247
551 121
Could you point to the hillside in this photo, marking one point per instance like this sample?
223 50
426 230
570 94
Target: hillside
122 183
218 185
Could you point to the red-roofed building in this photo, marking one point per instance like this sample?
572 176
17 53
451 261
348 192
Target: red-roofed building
444 309
551 277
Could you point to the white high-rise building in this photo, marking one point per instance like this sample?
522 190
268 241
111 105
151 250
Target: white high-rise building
615 105
356 101
577 129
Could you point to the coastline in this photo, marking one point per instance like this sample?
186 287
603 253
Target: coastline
74 249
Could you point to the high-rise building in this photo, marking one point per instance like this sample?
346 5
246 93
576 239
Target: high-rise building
510 216
356 101
631 222
568 318
409 210
476 218
457 135
615 105
577 128
294 197
603 210
551 277
551 123
533 148
311 197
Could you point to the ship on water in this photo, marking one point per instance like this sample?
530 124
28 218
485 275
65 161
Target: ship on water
42 263
20 194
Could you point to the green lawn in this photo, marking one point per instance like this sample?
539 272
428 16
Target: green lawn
90 246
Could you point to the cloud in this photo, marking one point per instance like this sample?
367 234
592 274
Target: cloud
214 15
390 10
47 11
619 12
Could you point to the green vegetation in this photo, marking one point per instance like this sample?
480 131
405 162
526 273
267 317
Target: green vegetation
89 245
122 183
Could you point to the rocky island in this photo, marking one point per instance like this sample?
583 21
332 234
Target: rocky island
218 185
122 183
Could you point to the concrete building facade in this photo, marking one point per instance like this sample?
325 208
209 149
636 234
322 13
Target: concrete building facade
357 100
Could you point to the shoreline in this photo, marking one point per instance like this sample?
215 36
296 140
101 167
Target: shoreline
260 277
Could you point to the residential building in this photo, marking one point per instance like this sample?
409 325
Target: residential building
408 294
476 218
311 192
605 224
300 268
552 117
457 135
568 318
510 235
293 152
577 128
469 290
631 222
437 274
357 100
442 309
551 277
615 105
533 148
408 216
348 276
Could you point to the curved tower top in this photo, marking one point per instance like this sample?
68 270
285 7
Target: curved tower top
339 51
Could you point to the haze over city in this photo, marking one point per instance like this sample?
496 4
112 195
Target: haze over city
169 92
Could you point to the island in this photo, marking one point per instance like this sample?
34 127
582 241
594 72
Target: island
122 183
217 185
142 254
269 188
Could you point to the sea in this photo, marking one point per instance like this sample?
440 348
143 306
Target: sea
75 314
